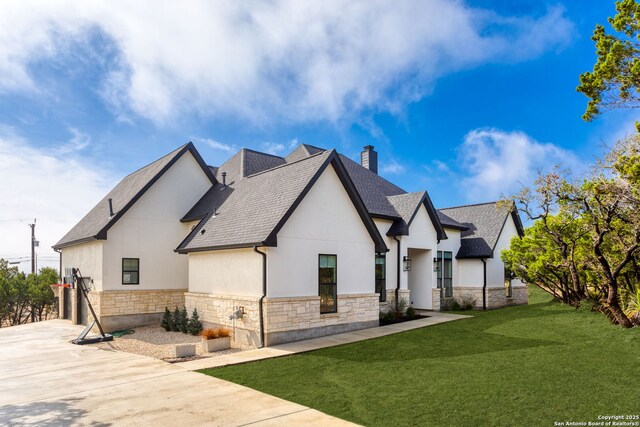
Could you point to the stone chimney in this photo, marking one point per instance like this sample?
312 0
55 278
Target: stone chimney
369 158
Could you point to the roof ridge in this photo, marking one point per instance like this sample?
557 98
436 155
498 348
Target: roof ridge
380 176
289 164
262 152
157 160
469 205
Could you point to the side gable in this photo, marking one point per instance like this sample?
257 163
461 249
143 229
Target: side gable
260 205
95 224
348 185
407 206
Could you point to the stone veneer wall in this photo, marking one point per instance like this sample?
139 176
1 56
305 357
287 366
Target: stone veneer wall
391 298
124 309
496 296
435 299
297 318
215 309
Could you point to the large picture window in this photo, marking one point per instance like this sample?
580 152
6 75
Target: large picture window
130 271
327 272
381 277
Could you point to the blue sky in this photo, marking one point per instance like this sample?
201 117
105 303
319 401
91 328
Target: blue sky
465 99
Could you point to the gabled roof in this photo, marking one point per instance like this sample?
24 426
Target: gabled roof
373 189
97 222
377 193
448 222
247 162
302 151
485 223
407 206
258 206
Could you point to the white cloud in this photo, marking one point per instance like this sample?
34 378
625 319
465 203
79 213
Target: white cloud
273 148
78 142
392 167
268 61
496 163
57 190
293 143
216 145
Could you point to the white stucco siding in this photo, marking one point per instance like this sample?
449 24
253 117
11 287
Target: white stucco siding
226 272
88 258
495 266
422 235
325 222
470 273
452 244
151 229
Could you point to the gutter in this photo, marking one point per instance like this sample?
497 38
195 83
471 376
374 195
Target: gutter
264 293
484 283
397 270
60 270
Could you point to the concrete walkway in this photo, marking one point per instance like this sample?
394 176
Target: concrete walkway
317 343
46 381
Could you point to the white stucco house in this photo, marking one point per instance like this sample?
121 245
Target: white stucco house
305 245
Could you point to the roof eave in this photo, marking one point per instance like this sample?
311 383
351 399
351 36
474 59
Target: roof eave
75 242
222 247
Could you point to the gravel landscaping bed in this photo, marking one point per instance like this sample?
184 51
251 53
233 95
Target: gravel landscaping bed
154 341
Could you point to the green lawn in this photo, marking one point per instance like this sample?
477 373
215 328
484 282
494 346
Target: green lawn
529 365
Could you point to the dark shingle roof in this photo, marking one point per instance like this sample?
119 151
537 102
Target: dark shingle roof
96 223
258 206
448 222
373 189
485 223
301 152
245 163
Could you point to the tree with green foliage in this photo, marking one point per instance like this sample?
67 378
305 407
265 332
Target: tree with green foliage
166 319
41 296
194 326
584 243
175 320
615 79
183 320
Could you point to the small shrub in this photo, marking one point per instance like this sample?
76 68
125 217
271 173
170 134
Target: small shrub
467 302
450 304
183 320
399 311
166 320
213 333
194 326
411 313
175 319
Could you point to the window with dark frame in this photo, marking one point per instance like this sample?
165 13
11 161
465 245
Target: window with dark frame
327 273
445 272
381 277
130 271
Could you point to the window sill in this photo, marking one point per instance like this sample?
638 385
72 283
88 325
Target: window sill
329 315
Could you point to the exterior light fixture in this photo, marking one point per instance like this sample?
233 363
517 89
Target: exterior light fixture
406 263
436 264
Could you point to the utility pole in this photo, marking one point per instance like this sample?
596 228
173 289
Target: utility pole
33 246
33 260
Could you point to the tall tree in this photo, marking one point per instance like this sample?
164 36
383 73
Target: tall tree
615 79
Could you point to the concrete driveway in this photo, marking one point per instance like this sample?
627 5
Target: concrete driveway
46 381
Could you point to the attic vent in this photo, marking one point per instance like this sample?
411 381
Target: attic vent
202 231
110 207
224 178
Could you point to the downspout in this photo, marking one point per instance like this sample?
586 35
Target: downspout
264 293
59 271
397 270
484 283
